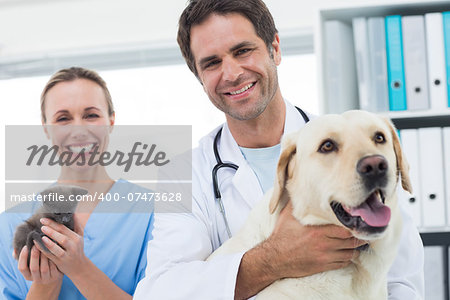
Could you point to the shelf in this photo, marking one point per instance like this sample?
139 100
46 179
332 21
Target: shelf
436 238
415 114
421 121
382 8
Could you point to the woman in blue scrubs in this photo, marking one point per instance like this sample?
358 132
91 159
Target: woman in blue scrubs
105 256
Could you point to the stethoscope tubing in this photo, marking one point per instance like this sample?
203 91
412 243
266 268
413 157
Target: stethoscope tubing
216 168
220 164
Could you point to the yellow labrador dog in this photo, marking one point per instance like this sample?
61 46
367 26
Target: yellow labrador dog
343 170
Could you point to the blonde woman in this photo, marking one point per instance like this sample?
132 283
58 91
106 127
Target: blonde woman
105 256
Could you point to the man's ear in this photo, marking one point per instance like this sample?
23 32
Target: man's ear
276 50
287 158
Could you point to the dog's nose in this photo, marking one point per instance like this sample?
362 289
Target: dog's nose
374 166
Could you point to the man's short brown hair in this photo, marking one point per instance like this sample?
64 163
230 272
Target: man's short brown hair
198 10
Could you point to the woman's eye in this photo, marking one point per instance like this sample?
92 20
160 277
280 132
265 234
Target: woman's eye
92 116
62 119
327 146
379 138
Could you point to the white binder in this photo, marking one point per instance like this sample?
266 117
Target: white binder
379 94
410 146
432 176
361 43
434 273
414 53
446 138
340 73
436 61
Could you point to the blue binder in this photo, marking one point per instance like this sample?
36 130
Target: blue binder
446 23
395 65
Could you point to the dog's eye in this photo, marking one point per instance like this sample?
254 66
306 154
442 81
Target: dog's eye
327 146
379 138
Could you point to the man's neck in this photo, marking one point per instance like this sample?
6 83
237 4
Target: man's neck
264 131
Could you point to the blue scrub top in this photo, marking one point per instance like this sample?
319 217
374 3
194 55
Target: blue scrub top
116 242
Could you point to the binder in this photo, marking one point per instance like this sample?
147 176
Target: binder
361 43
432 176
379 95
395 69
434 272
410 146
340 73
446 138
415 57
446 27
436 61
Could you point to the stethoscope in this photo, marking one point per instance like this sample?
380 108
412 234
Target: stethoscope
220 164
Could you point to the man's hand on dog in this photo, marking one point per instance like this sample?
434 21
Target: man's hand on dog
294 250
307 250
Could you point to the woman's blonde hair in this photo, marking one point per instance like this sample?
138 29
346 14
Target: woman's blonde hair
71 74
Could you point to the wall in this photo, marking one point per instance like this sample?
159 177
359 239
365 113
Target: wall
30 28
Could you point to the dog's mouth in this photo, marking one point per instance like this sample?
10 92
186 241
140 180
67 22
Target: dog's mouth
372 216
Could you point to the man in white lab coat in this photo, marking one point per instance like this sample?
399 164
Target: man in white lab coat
233 48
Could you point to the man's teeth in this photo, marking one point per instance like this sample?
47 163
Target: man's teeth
242 90
78 149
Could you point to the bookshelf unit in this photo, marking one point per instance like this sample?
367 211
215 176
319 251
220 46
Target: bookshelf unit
346 14
431 236
402 119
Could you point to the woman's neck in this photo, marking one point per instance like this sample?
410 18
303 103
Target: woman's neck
96 181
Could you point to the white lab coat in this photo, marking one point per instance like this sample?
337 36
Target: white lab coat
182 241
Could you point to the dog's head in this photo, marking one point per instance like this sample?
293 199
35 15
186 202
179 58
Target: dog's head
342 169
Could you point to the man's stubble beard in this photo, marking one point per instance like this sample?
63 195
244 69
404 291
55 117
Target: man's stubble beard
268 92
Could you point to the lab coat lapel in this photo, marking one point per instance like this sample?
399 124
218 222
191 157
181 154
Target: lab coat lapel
294 120
244 180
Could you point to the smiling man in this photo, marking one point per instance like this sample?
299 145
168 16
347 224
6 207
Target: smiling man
233 48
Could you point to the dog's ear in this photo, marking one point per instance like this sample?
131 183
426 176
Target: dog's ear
402 163
284 171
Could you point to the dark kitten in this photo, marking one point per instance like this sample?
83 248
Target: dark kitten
60 211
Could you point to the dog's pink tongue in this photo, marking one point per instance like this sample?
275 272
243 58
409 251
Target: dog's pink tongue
373 212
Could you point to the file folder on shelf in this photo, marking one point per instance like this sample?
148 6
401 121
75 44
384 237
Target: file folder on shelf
410 146
434 29
395 67
379 95
446 137
434 273
446 26
432 176
361 43
415 62
340 74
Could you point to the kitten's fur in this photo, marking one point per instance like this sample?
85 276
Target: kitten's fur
58 211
